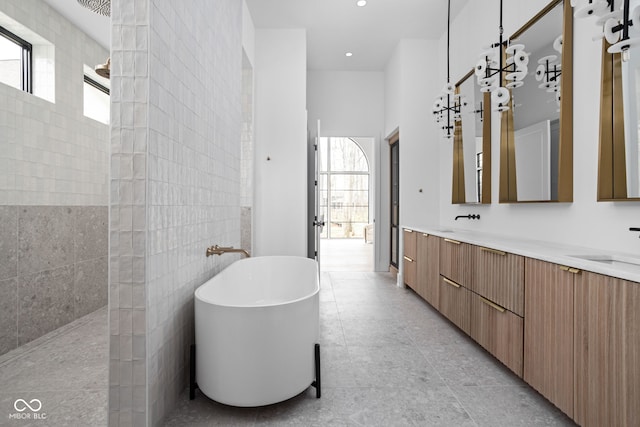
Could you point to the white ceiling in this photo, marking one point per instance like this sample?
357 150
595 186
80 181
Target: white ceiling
371 32
98 27
333 26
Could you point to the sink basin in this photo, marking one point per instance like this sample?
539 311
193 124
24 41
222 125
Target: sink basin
613 260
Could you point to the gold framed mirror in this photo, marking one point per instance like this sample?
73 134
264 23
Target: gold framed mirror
536 132
619 149
471 183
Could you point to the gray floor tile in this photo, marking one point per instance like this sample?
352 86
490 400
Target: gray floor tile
509 406
468 364
203 411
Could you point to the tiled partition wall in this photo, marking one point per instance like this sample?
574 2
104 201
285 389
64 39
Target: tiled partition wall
175 188
246 175
53 188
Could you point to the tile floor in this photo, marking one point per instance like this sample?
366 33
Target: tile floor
66 370
357 253
389 359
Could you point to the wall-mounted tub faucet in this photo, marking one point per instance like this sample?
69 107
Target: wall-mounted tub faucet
219 250
634 229
470 216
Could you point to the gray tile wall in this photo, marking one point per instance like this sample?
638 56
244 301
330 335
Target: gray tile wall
53 268
175 188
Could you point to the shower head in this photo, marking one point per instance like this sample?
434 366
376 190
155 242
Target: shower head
104 70
103 7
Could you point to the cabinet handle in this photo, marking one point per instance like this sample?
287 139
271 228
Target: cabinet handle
455 242
450 282
569 269
406 230
494 251
406 258
492 305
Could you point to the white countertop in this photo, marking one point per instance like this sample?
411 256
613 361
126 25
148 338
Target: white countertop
616 264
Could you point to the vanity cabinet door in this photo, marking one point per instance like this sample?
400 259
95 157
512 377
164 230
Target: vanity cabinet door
548 332
428 257
454 303
498 330
409 261
500 278
607 351
456 261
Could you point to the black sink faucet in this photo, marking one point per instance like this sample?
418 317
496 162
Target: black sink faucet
470 216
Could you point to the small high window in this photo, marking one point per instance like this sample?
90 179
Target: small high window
15 61
96 97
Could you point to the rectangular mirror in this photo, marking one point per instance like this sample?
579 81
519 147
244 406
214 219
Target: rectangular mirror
536 163
472 145
619 151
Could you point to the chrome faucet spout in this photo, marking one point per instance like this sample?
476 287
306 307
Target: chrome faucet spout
219 250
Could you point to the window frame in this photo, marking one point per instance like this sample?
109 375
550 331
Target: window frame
91 82
26 60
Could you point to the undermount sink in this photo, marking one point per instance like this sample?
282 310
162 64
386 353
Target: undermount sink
613 260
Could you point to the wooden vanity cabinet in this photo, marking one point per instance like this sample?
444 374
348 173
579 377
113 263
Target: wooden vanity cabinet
498 330
607 351
549 331
500 278
409 260
428 260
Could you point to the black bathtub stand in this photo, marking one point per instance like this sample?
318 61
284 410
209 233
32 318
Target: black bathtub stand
317 384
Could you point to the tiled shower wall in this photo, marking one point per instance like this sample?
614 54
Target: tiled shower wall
53 268
53 189
175 188
246 164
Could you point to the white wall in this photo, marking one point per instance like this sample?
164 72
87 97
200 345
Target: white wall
351 103
411 87
584 222
281 135
248 34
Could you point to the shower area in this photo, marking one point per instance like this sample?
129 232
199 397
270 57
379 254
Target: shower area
53 180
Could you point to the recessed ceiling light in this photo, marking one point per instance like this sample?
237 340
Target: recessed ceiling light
348 54
361 3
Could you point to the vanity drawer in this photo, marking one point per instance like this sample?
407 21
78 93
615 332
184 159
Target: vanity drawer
456 261
410 271
454 303
500 278
499 331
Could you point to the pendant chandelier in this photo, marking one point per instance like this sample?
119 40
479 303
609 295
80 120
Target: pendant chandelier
447 107
500 62
620 26
549 71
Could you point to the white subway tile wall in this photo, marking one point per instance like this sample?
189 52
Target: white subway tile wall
50 154
175 187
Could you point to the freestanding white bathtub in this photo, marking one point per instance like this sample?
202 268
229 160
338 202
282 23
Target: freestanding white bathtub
257 326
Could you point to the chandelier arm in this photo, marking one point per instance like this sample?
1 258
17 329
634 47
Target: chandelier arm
625 21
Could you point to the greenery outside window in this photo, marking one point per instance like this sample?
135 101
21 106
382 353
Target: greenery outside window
15 61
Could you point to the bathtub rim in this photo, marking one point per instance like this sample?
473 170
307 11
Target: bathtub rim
197 295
